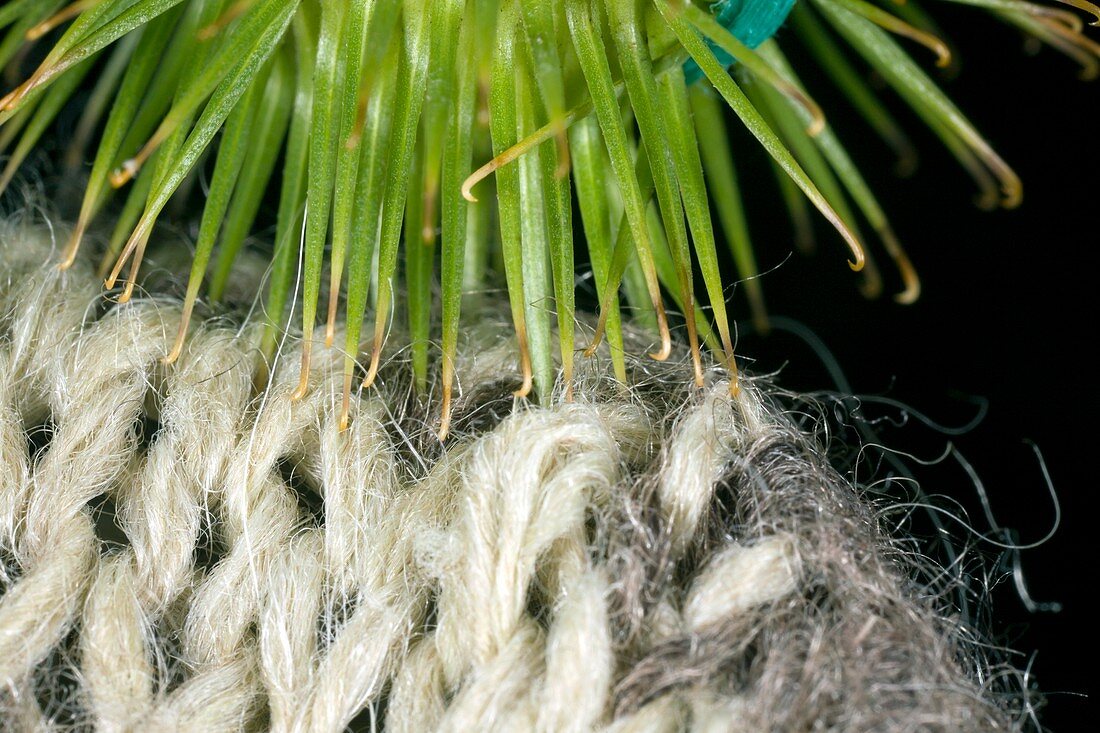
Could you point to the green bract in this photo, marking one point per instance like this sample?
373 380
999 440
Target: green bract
380 110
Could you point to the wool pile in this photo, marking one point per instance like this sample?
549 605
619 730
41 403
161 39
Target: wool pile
180 550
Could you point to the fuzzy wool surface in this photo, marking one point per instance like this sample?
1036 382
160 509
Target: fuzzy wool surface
181 552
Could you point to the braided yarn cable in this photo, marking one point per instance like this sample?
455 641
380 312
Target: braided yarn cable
179 551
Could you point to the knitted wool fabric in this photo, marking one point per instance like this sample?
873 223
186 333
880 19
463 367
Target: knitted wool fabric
181 553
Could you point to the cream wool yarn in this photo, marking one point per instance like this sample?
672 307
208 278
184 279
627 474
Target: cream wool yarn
654 559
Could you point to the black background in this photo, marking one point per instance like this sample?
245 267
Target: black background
1008 314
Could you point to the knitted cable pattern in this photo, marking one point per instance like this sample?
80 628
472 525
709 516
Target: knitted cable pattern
181 551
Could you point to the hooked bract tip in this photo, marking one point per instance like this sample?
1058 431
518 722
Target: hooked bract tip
907 296
1012 196
467 193
911 293
666 348
303 377
121 176
372 371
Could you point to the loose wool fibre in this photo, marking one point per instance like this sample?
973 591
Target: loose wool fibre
182 552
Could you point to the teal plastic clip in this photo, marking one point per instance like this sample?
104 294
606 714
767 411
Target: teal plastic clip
750 21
